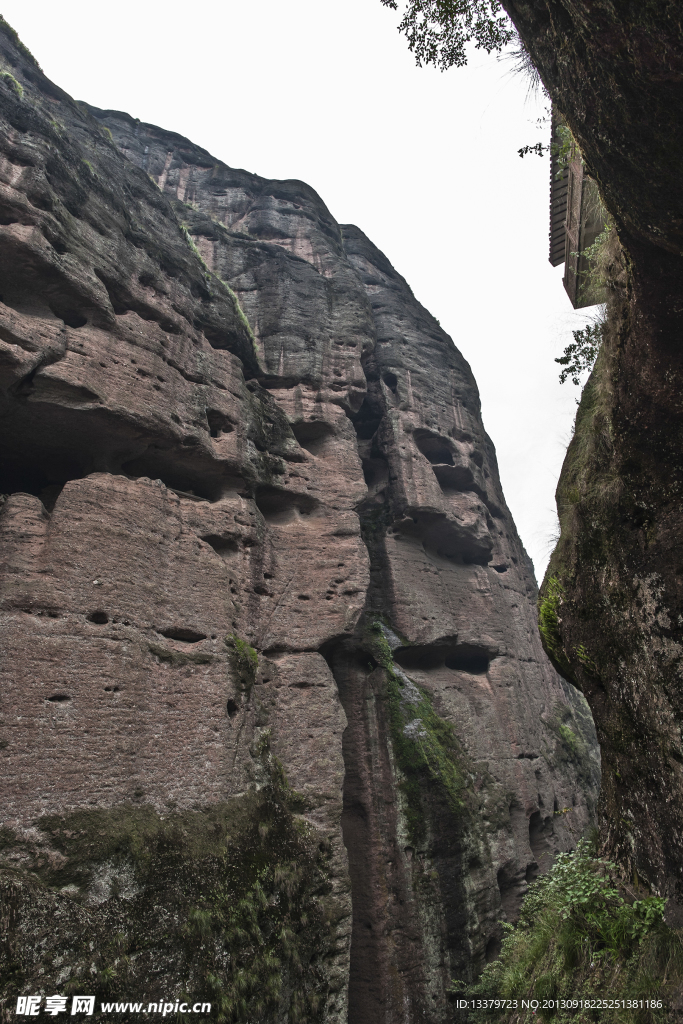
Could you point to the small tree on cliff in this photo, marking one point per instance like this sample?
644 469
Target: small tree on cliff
438 30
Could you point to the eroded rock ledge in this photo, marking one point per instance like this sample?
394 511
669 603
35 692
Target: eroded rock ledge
277 727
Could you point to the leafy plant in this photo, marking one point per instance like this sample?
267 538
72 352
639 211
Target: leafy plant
582 930
548 619
12 82
439 30
244 659
580 355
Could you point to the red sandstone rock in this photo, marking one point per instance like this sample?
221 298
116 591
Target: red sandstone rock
189 473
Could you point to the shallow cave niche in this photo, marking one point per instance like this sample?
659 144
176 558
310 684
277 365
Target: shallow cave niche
25 478
313 435
443 539
190 474
493 947
368 418
376 474
454 478
281 508
456 657
468 658
73 318
232 708
433 446
183 633
226 547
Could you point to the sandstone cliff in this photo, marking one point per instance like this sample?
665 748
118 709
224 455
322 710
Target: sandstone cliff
277 729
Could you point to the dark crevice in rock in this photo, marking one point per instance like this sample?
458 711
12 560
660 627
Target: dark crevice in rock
183 634
443 538
433 446
18 478
280 507
223 546
218 423
385 939
313 435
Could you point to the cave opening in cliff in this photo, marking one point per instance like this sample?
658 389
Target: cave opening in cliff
458 658
434 447
26 478
313 435
369 416
189 473
280 507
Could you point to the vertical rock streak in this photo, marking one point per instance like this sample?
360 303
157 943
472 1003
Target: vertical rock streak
254 549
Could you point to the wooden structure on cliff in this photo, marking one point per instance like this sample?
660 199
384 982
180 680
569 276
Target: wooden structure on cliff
577 217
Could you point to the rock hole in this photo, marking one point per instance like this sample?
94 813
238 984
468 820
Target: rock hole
368 418
59 698
500 568
112 689
460 658
313 435
376 473
304 597
218 423
468 659
71 317
232 708
184 635
493 947
223 546
282 507
184 472
391 380
99 618
434 447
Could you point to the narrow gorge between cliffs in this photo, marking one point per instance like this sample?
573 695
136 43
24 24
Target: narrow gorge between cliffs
277 729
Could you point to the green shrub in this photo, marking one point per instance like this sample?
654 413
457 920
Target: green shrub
12 82
583 932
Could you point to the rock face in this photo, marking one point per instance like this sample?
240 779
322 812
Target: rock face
612 609
277 729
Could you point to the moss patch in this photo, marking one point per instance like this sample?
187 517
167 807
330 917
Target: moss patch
426 748
550 602
244 660
10 81
227 904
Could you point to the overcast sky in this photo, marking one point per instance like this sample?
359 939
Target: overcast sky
424 162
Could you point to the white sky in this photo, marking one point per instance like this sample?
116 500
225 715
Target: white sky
424 163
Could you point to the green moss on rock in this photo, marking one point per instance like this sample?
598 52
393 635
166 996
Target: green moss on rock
228 904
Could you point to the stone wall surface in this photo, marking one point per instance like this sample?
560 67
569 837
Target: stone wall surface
272 674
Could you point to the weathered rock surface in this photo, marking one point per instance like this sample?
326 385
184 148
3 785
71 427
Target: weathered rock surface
612 601
275 715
